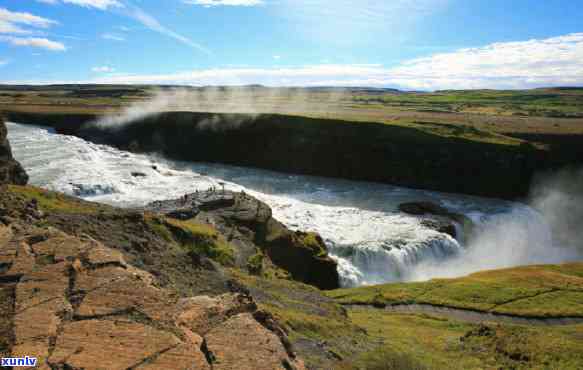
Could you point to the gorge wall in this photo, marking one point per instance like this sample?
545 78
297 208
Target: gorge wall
11 172
398 155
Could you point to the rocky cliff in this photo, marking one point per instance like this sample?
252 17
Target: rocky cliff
393 154
11 172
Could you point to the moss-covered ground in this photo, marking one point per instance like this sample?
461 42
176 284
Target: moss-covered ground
535 291
368 338
410 341
49 201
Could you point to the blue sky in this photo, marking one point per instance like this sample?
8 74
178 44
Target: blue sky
409 44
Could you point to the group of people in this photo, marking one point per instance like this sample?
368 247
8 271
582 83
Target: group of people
186 198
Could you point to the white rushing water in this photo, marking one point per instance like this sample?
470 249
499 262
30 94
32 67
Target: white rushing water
370 239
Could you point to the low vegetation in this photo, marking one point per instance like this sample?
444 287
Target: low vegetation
409 341
49 201
538 103
535 291
195 238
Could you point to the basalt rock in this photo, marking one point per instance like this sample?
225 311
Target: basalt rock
80 305
250 225
11 172
441 224
439 218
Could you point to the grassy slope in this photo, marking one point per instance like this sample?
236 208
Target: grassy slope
540 102
49 201
421 341
371 339
536 291
427 342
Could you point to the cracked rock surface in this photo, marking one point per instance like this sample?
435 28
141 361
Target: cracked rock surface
79 305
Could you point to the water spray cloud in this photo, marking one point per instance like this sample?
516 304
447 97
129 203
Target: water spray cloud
548 230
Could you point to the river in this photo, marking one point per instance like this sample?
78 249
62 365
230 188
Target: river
371 240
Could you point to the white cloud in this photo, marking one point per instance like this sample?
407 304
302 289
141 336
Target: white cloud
555 61
126 8
277 57
7 27
525 64
113 37
3 62
522 64
36 42
99 4
103 69
12 22
153 24
212 3
305 75
25 18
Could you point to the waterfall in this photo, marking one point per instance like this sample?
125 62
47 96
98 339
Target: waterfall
390 260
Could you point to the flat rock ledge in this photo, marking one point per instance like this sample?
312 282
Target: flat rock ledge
79 305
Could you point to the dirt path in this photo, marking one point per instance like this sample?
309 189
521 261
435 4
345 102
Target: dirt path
471 316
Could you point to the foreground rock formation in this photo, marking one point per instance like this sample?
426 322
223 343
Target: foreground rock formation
11 172
250 226
78 304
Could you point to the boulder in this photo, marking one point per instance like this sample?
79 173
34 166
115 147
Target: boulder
303 255
423 208
441 224
440 218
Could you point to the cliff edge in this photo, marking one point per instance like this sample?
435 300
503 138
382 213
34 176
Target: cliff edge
11 172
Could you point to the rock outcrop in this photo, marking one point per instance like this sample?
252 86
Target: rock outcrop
249 224
439 218
79 305
11 172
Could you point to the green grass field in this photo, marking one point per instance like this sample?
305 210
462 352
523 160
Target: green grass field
536 291
410 341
